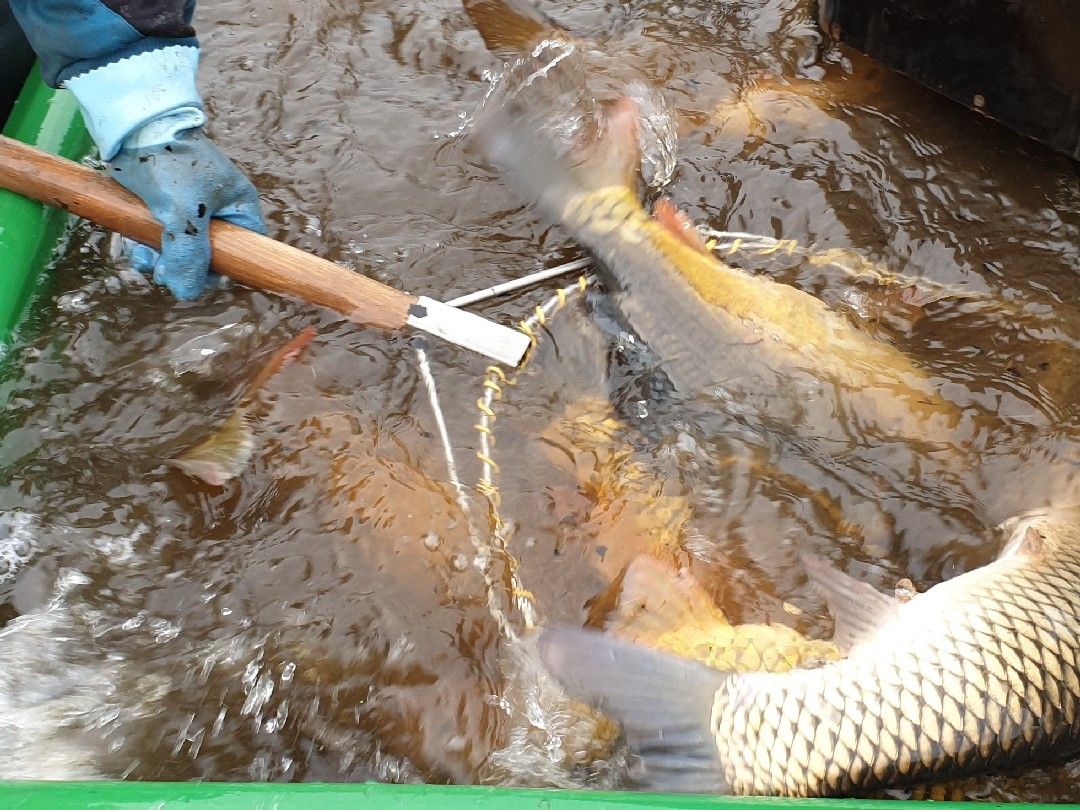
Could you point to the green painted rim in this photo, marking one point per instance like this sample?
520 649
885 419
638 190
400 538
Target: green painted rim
29 231
372 796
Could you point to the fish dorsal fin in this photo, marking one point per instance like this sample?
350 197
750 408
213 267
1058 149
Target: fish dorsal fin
858 609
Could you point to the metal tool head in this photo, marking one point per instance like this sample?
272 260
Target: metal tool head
469 330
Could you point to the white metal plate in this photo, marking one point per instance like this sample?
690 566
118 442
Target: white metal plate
468 330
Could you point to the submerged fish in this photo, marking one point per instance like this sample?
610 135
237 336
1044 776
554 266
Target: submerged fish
790 355
17 542
223 456
672 612
974 675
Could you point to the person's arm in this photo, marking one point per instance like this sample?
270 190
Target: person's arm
131 65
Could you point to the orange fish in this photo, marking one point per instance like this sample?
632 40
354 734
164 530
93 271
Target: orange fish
223 456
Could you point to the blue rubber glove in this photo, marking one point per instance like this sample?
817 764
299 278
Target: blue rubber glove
131 65
184 181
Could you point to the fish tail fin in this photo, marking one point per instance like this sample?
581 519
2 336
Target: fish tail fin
664 704
510 28
222 456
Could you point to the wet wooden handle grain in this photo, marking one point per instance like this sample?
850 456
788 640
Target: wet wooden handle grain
247 257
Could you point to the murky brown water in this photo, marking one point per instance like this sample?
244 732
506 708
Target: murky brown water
322 618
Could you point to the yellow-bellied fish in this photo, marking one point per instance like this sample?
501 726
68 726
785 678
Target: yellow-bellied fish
785 353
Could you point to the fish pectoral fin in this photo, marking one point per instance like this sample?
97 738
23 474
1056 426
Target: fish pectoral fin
664 704
290 351
678 223
858 609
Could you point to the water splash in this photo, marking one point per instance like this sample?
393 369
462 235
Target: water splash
18 543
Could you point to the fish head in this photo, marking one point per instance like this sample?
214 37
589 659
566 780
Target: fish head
616 153
1041 532
556 153
568 76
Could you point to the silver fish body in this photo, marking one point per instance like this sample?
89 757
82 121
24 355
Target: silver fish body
978 673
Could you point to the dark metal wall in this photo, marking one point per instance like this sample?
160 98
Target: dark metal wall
16 58
1017 61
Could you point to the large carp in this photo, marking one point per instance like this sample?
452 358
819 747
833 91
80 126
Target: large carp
768 347
978 673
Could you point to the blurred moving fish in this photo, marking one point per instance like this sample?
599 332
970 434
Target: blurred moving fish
533 45
977 674
518 30
631 510
711 324
223 456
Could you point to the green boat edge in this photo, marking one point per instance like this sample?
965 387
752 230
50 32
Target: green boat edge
29 231
29 236
375 796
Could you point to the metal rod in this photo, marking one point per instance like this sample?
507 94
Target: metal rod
518 283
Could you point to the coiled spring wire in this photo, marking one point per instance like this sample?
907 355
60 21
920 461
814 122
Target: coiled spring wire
495 382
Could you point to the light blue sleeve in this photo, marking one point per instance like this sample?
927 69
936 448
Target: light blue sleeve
129 68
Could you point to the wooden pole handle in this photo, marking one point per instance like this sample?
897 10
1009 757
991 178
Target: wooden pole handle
247 257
